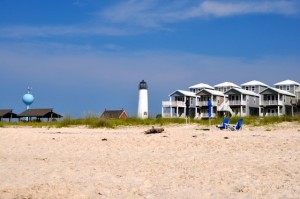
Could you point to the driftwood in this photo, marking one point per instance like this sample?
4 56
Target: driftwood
154 130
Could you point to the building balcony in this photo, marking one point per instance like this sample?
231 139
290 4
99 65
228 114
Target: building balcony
237 102
173 104
205 103
271 103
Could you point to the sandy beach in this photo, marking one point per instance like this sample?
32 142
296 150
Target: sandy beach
182 162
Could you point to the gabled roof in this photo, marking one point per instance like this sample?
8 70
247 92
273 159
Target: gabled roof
254 83
243 91
109 114
212 92
227 84
287 82
7 113
279 91
185 93
201 86
41 113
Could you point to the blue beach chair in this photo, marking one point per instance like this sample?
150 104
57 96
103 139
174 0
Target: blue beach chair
224 125
238 125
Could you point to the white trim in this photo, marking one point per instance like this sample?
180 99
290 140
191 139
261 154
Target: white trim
213 92
243 91
254 83
227 84
201 86
287 82
279 91
185 93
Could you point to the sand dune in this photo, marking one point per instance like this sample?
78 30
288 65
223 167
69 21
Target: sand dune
182 162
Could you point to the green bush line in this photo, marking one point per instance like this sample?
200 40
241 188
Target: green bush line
95 122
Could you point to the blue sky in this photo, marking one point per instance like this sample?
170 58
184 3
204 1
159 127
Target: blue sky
82 56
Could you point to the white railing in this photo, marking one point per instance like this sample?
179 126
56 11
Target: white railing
237 102
205 103
173 104
166 103
272 102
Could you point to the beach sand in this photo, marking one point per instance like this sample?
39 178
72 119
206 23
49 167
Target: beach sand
182 162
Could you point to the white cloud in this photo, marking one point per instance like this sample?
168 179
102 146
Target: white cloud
48 31
155 13
221 9
139 16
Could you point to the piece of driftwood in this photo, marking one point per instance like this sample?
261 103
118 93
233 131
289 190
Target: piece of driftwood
154 130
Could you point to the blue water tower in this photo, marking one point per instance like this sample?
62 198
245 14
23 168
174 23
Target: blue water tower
28 98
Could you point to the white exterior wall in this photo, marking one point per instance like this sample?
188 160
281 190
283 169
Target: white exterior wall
143 104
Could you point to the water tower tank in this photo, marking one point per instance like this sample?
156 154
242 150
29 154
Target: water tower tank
28 98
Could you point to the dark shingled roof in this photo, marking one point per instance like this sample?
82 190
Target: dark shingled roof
40 113
109 114
7 113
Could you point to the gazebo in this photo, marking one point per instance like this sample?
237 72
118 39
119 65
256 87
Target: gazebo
7 113
39 113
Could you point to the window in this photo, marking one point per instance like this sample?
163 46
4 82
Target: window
287 88
247 88
253 88
280 87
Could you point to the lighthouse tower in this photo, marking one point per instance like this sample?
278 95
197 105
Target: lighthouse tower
143 101
28 98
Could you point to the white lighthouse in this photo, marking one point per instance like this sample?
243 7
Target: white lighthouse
143 101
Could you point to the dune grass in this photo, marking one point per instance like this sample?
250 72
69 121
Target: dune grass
93 121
